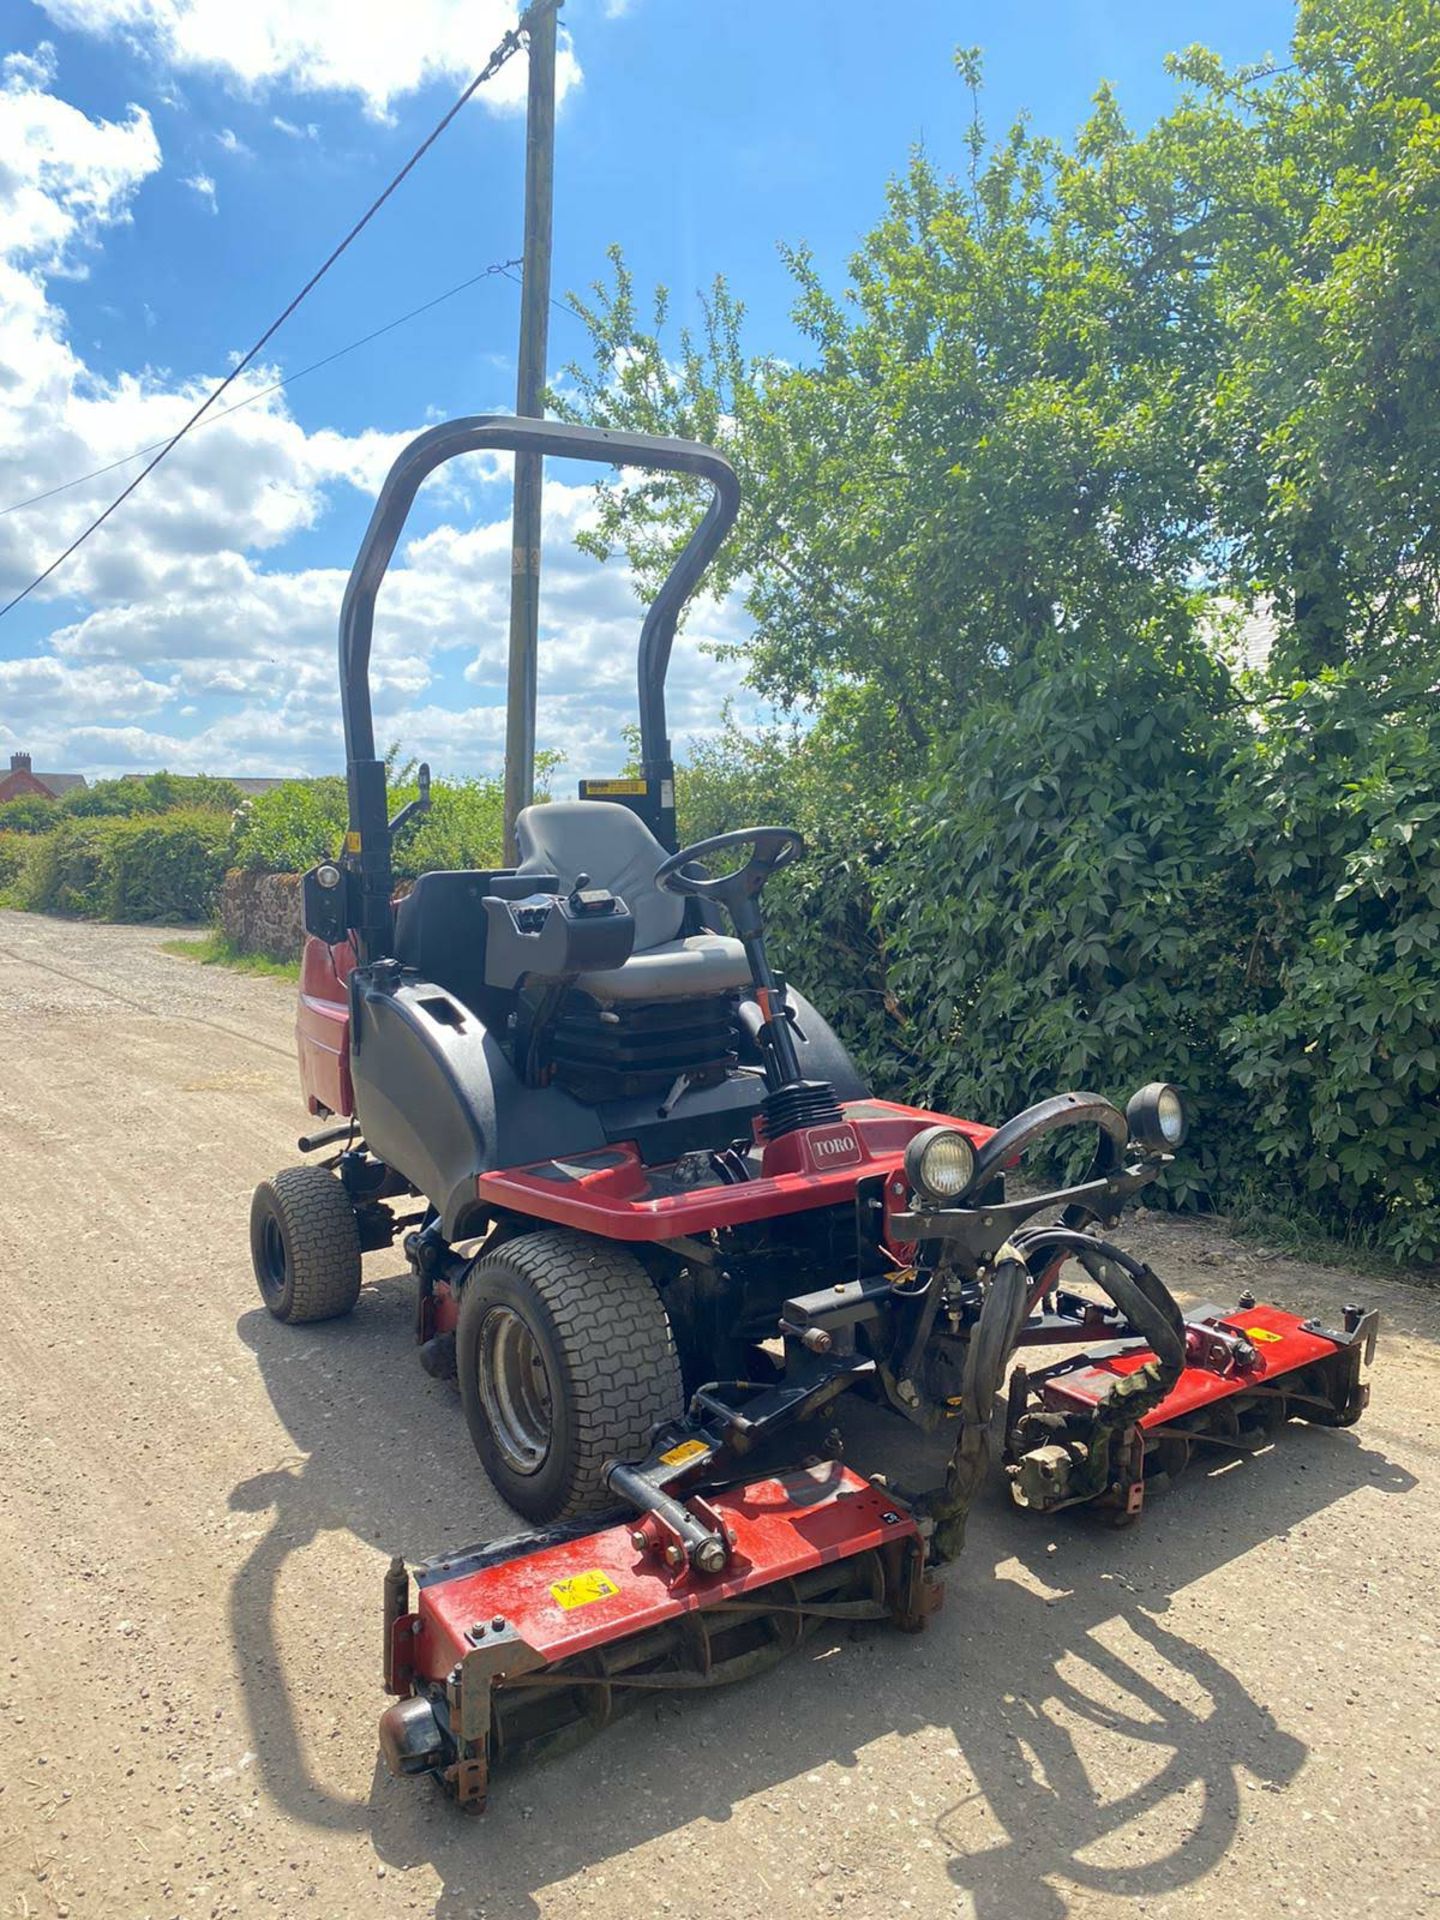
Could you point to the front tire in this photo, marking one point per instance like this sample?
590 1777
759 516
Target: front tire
566 1361
305 1245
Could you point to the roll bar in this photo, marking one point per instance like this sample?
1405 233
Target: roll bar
367 845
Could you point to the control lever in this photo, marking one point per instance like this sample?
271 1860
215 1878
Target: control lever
417 806
584 899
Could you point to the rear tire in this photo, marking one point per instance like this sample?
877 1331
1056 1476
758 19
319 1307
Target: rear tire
305 1245
566 1361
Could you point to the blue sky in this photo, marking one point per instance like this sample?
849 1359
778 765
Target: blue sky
182 167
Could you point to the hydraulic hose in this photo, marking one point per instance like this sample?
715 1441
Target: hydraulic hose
1137 1290
1139 1294
991 1344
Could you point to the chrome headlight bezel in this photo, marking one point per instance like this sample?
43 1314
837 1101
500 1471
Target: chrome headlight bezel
1158 1118
926 1167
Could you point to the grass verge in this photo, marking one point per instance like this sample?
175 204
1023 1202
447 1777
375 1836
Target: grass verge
1300 1234
214 950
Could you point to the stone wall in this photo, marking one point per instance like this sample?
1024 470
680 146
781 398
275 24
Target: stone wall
260 913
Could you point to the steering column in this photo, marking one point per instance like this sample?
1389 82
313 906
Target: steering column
791 1102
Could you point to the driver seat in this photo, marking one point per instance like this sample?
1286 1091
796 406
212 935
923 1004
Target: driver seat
616 849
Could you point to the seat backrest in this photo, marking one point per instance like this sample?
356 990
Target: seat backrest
611 844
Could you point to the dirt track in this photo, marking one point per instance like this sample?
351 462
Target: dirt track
1230 1710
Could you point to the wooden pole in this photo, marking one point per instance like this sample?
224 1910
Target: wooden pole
530 386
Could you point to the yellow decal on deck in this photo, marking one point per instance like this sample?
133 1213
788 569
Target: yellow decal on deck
687 1450
614 786
352 843
1262 1334
583 1589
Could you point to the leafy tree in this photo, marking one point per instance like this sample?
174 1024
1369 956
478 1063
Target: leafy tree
1322 227
31 813
983 455
1074 414
153 793
1338 818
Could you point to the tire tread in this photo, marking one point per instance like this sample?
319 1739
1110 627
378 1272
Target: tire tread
324 1242
623 1365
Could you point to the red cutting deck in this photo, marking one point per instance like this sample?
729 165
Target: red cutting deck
1281 1346
565 1599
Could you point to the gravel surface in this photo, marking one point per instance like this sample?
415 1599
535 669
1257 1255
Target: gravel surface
1228 1710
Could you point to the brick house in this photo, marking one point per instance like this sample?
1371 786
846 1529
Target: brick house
22 780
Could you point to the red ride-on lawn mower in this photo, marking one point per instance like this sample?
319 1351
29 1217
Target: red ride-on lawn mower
658 1224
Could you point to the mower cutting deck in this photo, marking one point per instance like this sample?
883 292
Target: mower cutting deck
659 1224
515 1648
524 1646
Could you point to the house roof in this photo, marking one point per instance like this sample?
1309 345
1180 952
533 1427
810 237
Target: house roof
250 784
58 783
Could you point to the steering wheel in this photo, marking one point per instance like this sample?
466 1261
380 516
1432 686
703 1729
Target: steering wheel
771 849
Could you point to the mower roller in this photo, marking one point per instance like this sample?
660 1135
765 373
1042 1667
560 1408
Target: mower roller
659 1224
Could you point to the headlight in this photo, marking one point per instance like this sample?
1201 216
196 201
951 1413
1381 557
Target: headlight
940 1163
1157 1117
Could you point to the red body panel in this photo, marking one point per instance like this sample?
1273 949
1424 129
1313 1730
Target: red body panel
1281 1346
612 1192
783 1527
322 1027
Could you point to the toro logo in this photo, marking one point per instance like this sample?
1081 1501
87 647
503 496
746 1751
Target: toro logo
833 1147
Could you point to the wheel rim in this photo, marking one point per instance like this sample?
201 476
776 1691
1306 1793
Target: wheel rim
515 1390
272 1259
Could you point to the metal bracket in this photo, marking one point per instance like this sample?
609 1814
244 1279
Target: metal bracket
982 1231
1362 1329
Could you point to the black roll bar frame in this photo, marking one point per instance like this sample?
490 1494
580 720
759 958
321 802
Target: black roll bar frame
367 844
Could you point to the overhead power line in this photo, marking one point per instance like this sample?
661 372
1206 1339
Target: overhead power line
500 267
560 306
509 45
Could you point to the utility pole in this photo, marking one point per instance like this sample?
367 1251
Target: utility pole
530 384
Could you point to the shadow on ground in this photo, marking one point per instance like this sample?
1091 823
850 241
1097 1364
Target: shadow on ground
1025 1665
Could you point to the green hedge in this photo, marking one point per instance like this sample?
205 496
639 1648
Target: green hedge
121 799
14 847
293 826
1060 907
157 867
1338 820
1116 873
31 813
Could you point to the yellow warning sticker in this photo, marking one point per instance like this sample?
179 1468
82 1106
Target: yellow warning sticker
1262 1334
352 843
614 786
583 1589
686 1450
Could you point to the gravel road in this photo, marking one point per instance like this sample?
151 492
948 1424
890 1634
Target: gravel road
1229 1710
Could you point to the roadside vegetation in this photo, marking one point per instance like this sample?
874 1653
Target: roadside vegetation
150 849
158 848
288 829
213 949
1093 537
1092 550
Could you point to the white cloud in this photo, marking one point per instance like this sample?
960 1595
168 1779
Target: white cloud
197 647
202 185
230 142
64 175
372 48
36 69
43 687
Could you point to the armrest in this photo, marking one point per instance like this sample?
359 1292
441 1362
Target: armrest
553 936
